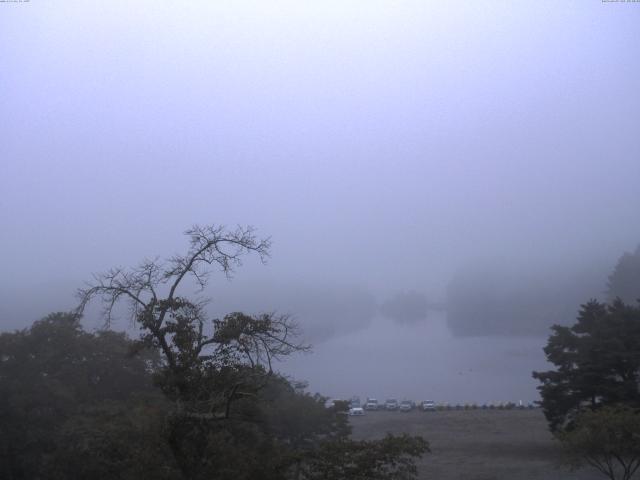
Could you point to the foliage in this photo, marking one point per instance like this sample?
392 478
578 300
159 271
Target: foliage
391 458
597 362
213 370
78 405
624 281
114 440
608 439
231 415
50 374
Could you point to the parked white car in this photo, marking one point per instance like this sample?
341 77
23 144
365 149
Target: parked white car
428 406
406 406
391 404
371 404
356 411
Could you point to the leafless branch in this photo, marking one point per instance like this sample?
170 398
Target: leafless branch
207 369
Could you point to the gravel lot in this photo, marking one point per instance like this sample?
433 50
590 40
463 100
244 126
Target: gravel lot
477 444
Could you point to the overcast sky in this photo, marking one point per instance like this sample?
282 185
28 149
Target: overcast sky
383 146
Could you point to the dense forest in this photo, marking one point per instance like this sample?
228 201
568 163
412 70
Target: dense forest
191 398
76 405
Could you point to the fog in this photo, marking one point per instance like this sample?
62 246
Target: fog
442 181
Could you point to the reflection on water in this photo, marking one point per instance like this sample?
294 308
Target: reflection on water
422 362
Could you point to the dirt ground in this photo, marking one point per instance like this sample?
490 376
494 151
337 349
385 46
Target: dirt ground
477 444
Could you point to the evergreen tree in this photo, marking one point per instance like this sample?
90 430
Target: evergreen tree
597 363
624 281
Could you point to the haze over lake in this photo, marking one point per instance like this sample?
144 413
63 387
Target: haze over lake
422 362
479 158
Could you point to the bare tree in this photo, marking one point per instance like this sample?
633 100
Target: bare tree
209 364
209 246
219 377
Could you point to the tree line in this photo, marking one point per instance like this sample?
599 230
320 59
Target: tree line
195 398
191 398
591 399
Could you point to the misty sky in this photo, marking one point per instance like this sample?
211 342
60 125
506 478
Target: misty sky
384 146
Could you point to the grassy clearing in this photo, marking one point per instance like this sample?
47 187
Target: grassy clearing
477 444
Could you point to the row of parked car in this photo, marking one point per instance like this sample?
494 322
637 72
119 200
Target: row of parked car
392 405
372 404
